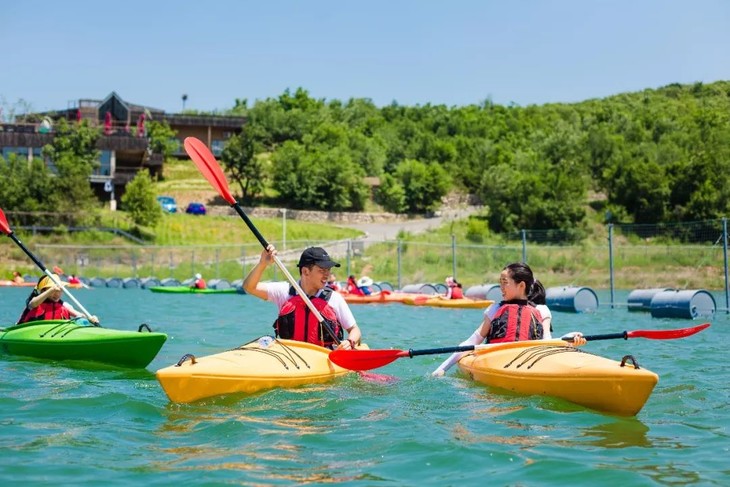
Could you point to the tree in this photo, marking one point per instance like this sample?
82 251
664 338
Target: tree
424 184
73 157
140 202
161 138
246 169
391 194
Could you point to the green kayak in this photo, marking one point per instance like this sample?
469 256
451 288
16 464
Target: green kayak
78 340
186 289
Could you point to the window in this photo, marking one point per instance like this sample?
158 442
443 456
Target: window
217 147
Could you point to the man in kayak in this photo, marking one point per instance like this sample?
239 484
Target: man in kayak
44 303
513 319
295 320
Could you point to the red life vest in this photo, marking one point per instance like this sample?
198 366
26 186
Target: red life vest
200 284
47 310
514 321
456 292
297 322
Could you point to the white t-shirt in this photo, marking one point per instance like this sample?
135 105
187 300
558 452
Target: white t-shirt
279 294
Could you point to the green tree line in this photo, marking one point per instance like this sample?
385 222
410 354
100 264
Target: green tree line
655 156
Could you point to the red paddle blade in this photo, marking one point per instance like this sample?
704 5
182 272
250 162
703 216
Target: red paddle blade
365 359
4 223
667 334
208 166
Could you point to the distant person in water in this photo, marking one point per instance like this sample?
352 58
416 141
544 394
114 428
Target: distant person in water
199 282
44 303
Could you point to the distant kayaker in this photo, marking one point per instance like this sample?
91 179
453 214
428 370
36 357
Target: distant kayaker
74 280
199 282
44 303
501 320
332 282
18 278
352 287
454 289
295 320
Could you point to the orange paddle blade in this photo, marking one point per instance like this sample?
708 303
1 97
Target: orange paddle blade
208 166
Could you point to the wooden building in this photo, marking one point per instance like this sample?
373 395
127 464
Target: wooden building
123 145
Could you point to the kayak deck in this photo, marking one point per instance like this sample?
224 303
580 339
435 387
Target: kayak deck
261 364
551 368
71 340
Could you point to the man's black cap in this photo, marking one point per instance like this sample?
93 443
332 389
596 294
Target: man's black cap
318 256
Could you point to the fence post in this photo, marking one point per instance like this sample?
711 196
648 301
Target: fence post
348 254
217 262
524 246
399 259
724 254
453 256
610 260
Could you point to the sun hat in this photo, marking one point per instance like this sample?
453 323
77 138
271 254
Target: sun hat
198 276
45 282
364 281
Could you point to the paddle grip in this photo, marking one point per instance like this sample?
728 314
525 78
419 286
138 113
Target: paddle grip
607 336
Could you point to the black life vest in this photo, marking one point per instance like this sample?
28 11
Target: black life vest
515 320
297 322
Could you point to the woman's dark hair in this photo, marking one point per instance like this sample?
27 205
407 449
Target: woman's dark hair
521 272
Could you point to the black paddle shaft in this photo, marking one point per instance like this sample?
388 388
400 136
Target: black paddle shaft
250 224
27 252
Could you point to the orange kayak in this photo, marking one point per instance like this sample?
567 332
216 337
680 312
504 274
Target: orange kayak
381 297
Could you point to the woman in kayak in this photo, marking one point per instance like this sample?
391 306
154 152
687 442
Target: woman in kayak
295 320
44 303
454 289
502 320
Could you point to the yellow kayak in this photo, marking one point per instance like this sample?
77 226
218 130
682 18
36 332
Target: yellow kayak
440 302
262 364
551 368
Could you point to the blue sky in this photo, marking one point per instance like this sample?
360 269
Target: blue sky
454 52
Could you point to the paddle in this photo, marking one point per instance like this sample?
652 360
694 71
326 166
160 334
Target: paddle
211 170
372 359
7 231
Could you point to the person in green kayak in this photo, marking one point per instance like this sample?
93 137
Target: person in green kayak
44 303
517 317
199 282
295 320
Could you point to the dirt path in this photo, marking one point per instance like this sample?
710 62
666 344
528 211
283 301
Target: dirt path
389 231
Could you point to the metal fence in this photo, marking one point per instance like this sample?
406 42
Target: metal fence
680 256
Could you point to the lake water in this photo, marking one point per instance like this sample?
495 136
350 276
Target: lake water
79 424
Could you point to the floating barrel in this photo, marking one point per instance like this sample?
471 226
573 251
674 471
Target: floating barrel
440 288
385 286
238 284
576 299
640 299
97 282
219 284
170 281
130 283
419 288
485 291
114 282
689 303
148 282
